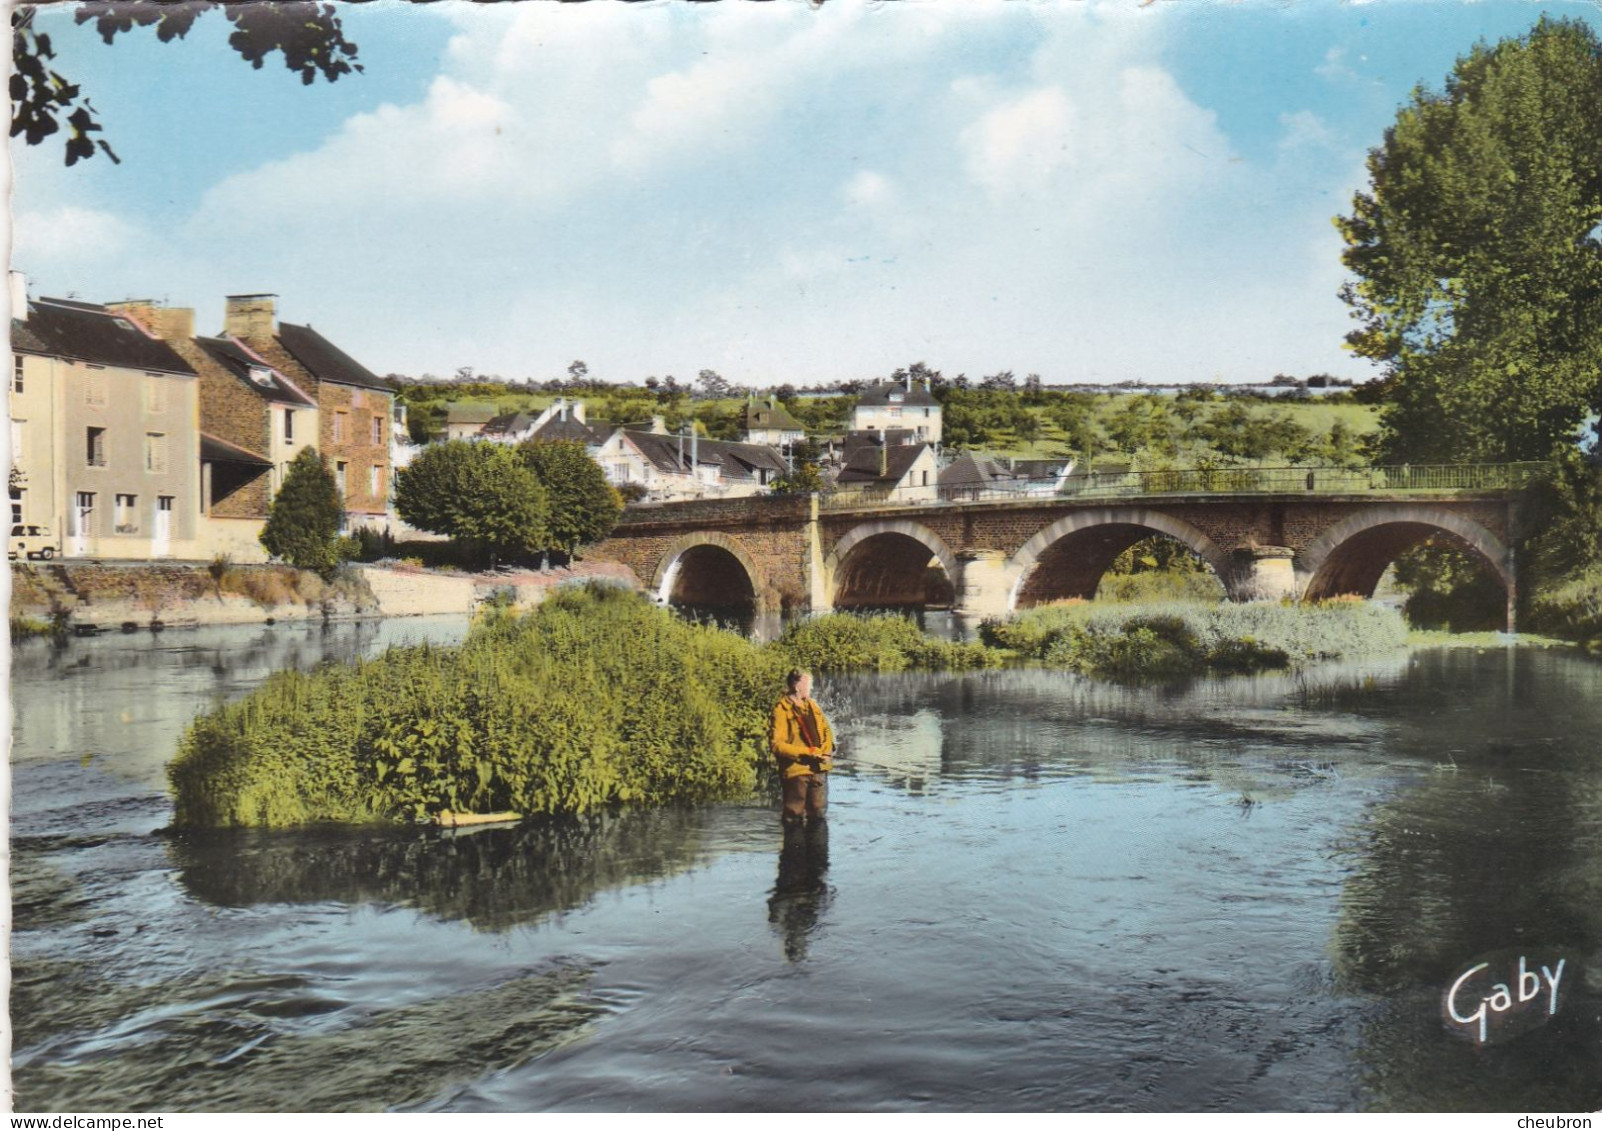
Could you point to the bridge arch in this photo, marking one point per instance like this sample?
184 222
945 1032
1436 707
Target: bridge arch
1351 555
891 572
1069 557
708 568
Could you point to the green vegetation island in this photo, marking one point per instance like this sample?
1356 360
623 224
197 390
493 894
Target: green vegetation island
600 698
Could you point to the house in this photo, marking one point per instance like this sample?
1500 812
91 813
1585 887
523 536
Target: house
688 466
971 476
103 432
771 424
464 420
892 405
562 420
895 472
355 407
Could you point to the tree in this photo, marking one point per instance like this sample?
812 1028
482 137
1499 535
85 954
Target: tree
713 384
583 505
303 522
578 372
480 494
1477 255
309 35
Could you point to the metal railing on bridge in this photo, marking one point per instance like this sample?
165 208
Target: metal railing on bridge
1420 478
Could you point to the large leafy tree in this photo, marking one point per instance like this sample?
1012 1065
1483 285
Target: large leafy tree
1477 255
583 505
303 522
481 495
309 35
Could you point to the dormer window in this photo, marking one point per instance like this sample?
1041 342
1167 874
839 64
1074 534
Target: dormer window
122 323
262 376
896 398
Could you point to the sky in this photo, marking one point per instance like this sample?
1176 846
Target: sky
783 192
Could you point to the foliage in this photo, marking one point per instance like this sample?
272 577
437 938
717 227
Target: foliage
1476 251
481 495
583 505
309 35
1159 568
597 697
884 642
1450 588
303 522
1173 639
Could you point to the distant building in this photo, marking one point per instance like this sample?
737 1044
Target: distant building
891 405
772 424
464 420
688 466
898 472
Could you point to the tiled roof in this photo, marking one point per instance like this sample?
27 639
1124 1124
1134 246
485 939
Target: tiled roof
738 461
508 423
879 394
863 464
570 429
86 332
324 360
239 361
214 450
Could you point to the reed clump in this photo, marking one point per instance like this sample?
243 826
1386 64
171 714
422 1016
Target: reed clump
594 699
1177 639
882 642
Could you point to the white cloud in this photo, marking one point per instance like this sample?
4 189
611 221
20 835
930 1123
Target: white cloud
71 234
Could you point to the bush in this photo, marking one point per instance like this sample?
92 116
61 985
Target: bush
883 642
596 697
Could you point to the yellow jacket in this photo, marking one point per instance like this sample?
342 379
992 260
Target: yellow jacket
785 736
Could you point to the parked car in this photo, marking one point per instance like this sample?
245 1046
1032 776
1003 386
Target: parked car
32 542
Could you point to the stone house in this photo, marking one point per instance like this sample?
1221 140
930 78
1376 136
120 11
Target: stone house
103 416
906 473
355 407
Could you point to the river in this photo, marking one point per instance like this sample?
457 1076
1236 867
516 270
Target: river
1034 892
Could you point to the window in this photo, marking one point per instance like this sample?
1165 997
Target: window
289 426
156 452
83 514
262 376
127 514
16 373
155 394
378 429
94 389
96 447
18 504
375 480
339 477
339 426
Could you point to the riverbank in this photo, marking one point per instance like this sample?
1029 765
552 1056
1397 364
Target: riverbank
89 597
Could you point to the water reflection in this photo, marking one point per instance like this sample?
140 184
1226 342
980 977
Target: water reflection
800 894
492 878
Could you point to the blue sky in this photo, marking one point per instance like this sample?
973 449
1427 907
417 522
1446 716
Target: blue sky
781 192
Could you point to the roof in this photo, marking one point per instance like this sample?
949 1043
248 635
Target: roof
862 466
238 360
468 412
969 470
214 450
509 423
87 332
557 428
737 461
324 360
881 393
771 415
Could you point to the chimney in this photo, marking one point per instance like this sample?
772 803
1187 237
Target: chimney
658 426
18 286
251 316
909 382
169 323
578 412
561 409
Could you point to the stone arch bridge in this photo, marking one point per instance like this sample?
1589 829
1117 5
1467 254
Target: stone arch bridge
993 556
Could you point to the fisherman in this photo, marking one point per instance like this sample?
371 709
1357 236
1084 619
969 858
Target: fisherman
802 742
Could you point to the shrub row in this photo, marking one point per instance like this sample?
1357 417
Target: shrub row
1161 641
